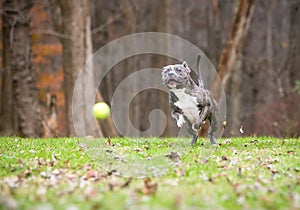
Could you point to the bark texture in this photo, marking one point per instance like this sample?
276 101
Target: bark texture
20 72
71 18
233 45
7 122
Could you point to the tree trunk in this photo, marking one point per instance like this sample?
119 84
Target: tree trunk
163 100
234 99
16 19
72 19
7 121
233 45
294 43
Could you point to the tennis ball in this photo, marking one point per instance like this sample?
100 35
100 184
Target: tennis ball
101 110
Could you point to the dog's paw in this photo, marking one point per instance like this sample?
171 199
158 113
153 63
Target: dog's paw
180 121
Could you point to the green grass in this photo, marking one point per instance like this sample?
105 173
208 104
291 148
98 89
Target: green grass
66 173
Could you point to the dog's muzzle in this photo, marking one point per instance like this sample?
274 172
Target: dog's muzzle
173 78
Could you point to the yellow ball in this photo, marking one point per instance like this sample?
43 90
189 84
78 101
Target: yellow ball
101 110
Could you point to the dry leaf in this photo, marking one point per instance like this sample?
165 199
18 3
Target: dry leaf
108 142
91 174
174 156
71 176
149 187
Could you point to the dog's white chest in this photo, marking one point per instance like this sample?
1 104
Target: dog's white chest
188 104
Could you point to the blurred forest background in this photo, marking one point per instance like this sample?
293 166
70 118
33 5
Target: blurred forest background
46 42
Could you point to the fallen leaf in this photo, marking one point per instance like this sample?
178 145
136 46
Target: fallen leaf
44 174
127 183
233 162
138 149
41 161
86 167
91 174
83 146
174 156
227 141
108 141
254 141
71 176
224 158
180 172
210 179
120 158
54 158
170 144
109 173
149 187
32 151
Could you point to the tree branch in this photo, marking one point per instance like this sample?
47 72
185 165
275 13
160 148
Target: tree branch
233 45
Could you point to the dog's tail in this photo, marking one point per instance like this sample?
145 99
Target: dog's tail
200 81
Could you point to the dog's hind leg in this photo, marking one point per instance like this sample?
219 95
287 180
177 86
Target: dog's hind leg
213 119
193 133
202 116
194 139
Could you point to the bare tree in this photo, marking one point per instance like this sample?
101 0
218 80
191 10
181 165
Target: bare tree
7 123
71 18
234 44
20 96
294 43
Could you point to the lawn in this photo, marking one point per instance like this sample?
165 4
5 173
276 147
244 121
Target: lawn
149 173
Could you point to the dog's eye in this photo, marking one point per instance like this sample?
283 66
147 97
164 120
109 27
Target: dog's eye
177 70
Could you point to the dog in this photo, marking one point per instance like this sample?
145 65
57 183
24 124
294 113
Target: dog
191 104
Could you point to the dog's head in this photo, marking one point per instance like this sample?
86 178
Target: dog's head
175 76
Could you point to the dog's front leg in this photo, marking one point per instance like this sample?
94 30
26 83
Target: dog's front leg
179 118
177 112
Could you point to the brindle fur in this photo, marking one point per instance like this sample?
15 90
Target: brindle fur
178 77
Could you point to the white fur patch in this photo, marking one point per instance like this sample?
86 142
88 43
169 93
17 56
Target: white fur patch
188 104
180 121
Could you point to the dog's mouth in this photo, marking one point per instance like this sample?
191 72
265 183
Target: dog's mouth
172 80
172 83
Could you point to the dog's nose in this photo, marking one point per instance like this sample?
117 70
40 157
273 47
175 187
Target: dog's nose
170 73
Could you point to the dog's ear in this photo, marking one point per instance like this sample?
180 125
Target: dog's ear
185 65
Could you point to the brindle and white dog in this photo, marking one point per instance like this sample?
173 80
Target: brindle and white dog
192 104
